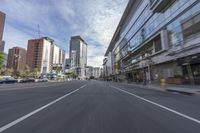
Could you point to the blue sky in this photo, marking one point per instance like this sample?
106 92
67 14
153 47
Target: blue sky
94 20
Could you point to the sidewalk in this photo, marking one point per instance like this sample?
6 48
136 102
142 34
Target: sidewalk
184 89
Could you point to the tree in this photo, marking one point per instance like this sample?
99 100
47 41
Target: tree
57 68
9 72
71 75
2 58
35 73
27 74
16 73
22 73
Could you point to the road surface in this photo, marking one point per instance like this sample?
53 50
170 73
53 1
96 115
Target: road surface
95 107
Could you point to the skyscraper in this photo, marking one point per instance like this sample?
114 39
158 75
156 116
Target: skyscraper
38 54
78 55
16 58
79 46
45 56
2 22
2 46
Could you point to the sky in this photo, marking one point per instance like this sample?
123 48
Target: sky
94 20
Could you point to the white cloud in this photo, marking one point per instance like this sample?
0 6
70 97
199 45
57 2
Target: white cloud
94 20
30 13
14 38
102 19
95 61
65 9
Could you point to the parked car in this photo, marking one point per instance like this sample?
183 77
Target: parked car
43 80
8 80
27 80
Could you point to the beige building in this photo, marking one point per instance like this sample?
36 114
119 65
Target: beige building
45 56
38 54
57 59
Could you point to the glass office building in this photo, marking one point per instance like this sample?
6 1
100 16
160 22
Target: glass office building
157 39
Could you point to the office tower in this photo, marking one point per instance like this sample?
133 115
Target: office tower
78 55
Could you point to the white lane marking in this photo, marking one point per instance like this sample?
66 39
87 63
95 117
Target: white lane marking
36 111
161 106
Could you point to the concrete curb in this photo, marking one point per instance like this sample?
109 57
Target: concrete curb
185 91
146 87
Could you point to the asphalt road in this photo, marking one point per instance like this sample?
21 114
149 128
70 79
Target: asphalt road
95 107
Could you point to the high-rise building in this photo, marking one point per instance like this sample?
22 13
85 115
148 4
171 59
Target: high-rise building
73 59
89 72
2 46
78 55
57 59
2 22
16 58
62 60
45 56
96 72
67 64
107 67
78 45
38 54
157 39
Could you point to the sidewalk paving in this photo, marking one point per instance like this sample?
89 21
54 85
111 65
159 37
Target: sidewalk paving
184 89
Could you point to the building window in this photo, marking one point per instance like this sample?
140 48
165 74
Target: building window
157 44
160 5
191 27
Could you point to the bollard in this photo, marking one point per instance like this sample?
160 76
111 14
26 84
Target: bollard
163 82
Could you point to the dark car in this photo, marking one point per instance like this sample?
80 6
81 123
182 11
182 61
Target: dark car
27 80
8 80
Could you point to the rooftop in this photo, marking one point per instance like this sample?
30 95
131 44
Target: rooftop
78 37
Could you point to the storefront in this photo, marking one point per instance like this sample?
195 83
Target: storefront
137 74
191 69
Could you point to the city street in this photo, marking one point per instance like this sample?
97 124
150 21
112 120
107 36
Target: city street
95 107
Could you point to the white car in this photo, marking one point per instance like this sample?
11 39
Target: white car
43 80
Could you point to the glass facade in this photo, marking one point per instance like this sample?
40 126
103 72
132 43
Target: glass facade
176 18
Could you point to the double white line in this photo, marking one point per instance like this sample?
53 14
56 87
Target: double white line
37 110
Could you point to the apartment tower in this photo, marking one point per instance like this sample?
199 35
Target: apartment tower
16 58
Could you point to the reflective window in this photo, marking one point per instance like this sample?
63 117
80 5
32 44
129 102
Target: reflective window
137 34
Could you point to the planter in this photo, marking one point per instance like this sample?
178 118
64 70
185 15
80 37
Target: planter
177 81
170 80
